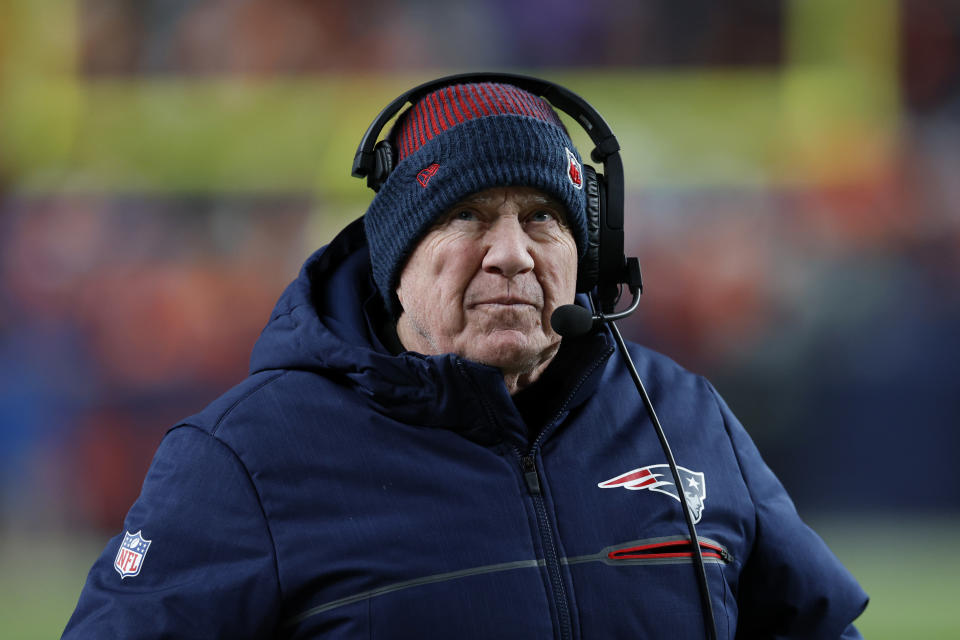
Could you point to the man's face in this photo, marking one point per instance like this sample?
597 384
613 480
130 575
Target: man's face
484 281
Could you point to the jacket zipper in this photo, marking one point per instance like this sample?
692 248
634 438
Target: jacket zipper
532 477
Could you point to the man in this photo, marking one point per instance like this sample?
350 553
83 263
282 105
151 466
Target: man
417 454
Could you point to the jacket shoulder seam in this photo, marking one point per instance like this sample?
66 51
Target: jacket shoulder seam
288 311
252 483
226 412
733 448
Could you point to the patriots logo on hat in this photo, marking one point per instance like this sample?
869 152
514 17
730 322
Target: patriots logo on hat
657 477
130 557
574 170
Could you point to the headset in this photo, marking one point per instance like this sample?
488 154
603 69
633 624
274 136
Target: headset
604 266
603 269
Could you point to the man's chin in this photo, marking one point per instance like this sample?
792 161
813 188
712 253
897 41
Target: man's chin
511 351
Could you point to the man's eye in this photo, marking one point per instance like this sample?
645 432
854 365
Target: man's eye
464 214
542 216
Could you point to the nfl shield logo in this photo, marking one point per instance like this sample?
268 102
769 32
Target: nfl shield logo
130 557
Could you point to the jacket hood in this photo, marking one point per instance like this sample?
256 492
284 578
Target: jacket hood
318 323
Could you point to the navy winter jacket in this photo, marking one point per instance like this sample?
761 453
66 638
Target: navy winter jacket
345 492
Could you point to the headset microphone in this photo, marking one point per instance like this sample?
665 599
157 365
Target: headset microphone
572 320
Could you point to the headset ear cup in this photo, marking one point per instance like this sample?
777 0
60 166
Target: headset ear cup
382 165
588 273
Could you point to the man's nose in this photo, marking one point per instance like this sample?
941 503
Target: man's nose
508 248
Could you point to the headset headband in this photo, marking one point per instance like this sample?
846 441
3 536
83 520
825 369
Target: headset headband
563 99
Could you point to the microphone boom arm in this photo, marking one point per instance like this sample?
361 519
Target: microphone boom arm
602 317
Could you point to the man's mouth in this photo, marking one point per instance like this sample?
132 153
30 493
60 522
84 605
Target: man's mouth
505 301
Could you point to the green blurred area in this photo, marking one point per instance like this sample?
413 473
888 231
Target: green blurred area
908 567
828 115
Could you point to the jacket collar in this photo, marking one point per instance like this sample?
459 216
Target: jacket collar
321 324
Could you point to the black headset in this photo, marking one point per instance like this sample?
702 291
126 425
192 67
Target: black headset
604 265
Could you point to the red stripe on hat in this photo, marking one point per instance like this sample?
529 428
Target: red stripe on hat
510 102
404 139
487 92
452 100
543 109
503 102
414 133
525 103
446 108
518 100
437 112
464 107
507 103
431 118
477 96
495 102
538 105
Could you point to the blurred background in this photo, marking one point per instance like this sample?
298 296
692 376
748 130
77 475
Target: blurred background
167 165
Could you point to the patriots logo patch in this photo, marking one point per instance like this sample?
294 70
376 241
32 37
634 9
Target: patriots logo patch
657 477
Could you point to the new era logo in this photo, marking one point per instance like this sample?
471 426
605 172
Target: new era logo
424 176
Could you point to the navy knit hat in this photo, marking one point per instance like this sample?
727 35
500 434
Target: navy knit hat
457 141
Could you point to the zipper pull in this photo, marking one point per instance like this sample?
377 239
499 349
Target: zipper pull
530 475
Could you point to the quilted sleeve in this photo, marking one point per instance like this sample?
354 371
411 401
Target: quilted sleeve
195 559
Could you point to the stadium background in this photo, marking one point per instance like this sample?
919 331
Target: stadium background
165 167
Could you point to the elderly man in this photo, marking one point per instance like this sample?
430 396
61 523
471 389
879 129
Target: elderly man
417 454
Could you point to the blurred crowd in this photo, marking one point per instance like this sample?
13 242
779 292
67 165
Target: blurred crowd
826 314
118 316
304 36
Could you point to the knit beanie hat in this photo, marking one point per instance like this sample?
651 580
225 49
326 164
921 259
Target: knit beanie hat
457 141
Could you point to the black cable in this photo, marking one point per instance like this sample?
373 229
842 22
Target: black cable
699 568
